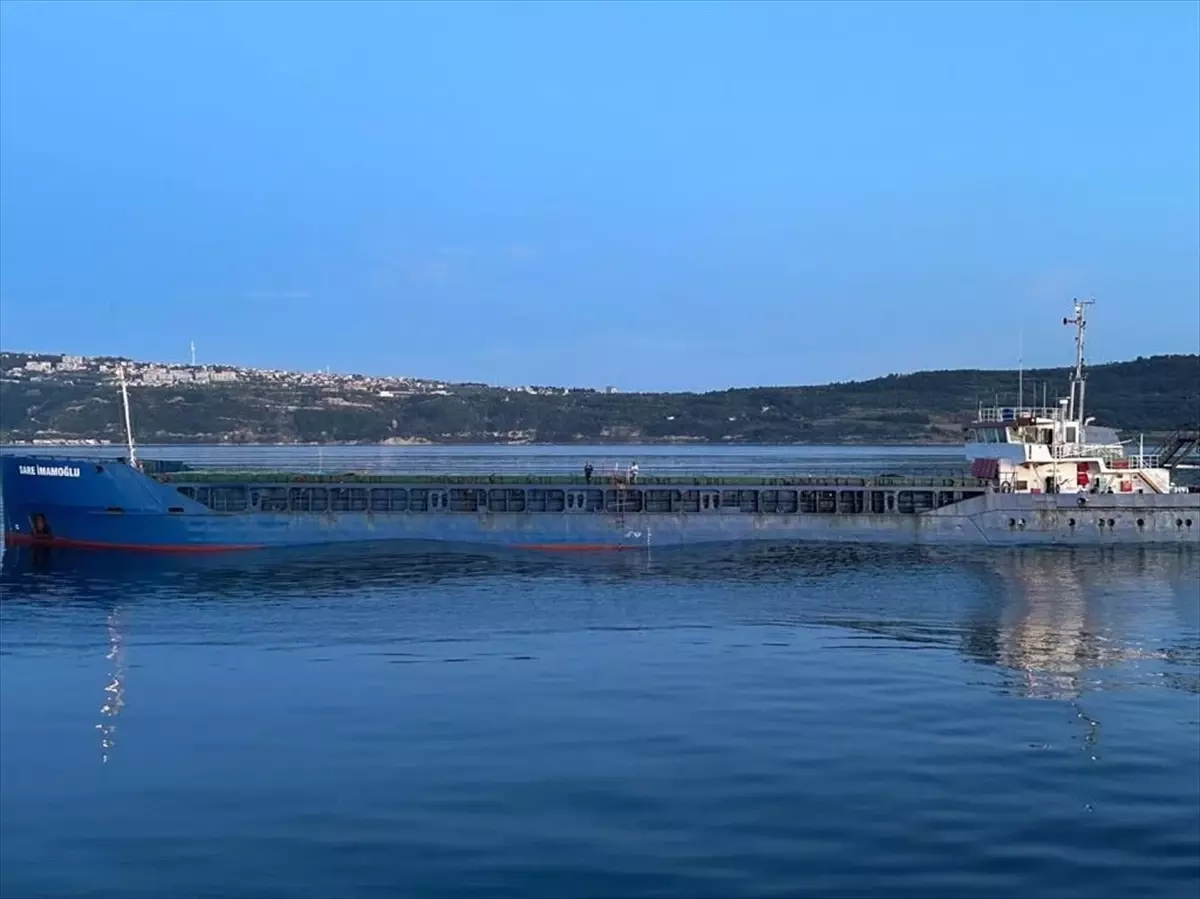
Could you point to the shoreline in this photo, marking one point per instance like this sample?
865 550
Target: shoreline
431 444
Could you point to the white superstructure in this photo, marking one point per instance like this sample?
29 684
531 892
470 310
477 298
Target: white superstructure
1056 449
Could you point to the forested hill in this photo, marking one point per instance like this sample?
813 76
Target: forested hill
1151 395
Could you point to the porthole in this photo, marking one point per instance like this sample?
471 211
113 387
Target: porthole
1188 522
1141 522
1012 522
1111 523
1099 522
1070 522
1178 522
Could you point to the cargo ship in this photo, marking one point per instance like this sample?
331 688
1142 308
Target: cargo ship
1037 475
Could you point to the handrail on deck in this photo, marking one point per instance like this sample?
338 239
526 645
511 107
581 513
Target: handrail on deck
1002 414
1105 451
434 480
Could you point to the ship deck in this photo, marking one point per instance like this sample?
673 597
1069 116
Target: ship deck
260 476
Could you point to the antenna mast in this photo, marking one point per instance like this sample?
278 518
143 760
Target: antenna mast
1075 410
128 426
1021 374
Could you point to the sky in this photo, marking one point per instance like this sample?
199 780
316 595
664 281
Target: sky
655 196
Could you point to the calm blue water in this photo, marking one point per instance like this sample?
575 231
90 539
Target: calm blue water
816 721
828 722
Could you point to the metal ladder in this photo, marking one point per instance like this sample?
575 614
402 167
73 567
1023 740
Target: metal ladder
1182 442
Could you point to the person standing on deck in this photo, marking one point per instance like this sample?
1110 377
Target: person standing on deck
633 472
587 472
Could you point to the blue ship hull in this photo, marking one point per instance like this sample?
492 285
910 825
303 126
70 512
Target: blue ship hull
77 502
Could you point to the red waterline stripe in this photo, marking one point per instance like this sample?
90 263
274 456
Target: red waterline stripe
15 539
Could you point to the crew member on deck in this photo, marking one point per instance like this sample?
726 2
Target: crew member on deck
587 472
633 471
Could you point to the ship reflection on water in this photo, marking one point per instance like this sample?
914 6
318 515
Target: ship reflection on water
1063 618
1052 622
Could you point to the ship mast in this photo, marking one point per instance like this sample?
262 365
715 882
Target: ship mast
128 425
1075 408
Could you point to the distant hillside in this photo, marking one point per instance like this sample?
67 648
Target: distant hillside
1151 395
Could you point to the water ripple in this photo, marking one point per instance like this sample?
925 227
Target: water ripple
830 721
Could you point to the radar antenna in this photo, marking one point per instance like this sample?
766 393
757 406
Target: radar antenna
1075 410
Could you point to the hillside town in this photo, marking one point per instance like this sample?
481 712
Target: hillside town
23 367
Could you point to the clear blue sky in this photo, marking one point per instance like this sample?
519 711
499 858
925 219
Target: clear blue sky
657 196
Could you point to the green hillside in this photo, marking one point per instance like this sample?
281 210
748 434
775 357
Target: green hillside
1151 395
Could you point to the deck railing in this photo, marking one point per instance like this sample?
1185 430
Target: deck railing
1145 460
780 466
1001 414
1106 451
947 482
